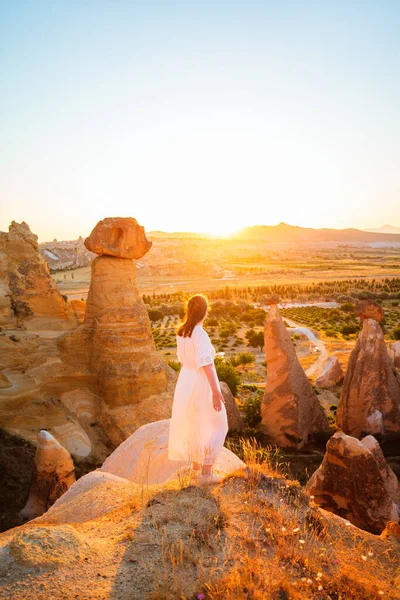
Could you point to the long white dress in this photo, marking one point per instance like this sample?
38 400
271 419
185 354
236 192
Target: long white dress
197 431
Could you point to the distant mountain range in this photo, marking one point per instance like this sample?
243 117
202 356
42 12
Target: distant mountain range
291 233
385 229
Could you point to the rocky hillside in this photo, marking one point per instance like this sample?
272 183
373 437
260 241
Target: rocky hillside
257 535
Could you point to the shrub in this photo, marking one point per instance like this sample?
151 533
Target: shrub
331 333
349 328
252 410
347 307
155 315
226 372
175 365
396 333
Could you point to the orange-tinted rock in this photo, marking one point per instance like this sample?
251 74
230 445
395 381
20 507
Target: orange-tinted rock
115 341
28 295
392 530
235 420
370 398
52 476
331 374
368 309
355 482
79 308
291 412
120 237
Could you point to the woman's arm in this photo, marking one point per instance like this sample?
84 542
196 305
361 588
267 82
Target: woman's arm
214 384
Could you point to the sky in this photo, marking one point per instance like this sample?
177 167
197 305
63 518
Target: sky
199 116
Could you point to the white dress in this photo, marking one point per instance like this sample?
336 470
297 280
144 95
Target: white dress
197 431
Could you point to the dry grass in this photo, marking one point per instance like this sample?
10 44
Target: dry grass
259 536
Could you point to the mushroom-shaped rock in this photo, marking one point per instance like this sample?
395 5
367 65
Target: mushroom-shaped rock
370 398
143 457
368 309
53 474
115 343
290 410
235 420
272 300
122 237
355 482
331 374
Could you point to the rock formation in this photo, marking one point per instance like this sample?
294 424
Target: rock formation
355 482
143 457
114 344
66 255
53 474
368 309
235 420
331 374
28 295
394 353
120 237
370 397
291 413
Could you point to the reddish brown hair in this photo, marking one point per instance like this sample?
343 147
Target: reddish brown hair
196 309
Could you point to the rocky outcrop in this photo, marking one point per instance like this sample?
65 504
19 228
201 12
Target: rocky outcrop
53 474
28 296
355 482
120 237
291 413
368 309
235 420
143 458
114 343
331 375
394 353
370 397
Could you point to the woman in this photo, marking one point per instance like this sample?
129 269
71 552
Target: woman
199 423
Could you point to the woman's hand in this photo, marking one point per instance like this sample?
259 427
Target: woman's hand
217 399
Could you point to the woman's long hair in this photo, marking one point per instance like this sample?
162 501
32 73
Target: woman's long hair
195 311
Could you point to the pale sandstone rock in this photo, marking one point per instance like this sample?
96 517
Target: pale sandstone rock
48 547
120 237
331 374
28 295
355 482
73 437
291 413
368 309
370 397
53 474
235 420
90 497
327 399
83 403
143 457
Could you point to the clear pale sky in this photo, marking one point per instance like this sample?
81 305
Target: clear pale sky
199 116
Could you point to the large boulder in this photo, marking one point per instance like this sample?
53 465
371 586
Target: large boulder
120 237
291 413
355 482
143 457
370 397
331 374
235 419
29 297
368 309
53 474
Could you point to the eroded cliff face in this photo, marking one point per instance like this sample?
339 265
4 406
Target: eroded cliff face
370 397
94 385
29 297
291 412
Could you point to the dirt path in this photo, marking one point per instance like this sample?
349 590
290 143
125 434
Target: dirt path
323 353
